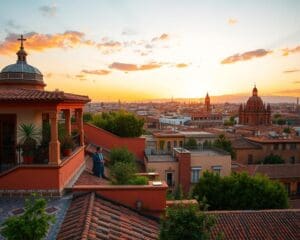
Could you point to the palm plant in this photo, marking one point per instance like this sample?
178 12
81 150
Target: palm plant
29 135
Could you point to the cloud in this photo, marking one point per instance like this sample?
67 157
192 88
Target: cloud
126 67
296 82
109 46
128 32
181 65
48 11
41 42
97 72
287 51
292 70
232 21
246 56
162 37
12 24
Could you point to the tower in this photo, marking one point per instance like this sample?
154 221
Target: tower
207 103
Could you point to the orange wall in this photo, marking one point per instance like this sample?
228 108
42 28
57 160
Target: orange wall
108 140
42 177
153 198
70 168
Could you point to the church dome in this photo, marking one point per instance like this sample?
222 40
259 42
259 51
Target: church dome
21 74
255 103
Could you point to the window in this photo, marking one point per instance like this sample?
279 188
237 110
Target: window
298 188
292 159
169 179
195 174
175 144
283 146
293 146
180 144
250 159
217 169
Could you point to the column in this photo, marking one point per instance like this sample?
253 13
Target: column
54 145
67 113
79 116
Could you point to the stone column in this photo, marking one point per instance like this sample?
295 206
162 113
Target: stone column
79 116
67 114
54 145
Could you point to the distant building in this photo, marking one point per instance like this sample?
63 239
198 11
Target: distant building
255 112
184 167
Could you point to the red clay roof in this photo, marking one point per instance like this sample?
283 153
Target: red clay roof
32 95
276 171
259 225
91 217
242 143
274 140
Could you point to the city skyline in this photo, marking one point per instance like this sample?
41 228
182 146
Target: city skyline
133 50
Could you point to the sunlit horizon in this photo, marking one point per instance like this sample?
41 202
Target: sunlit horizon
142 50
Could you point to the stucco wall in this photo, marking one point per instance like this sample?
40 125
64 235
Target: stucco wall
26 116
206 162
162 167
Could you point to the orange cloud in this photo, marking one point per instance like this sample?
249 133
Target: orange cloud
162 37
246 56
232 21
97 72
41 42
181 65
126 67
287 51
292 70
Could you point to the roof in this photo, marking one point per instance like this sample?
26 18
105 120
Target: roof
259 225
274 140
8 95
242 143
92 217
276 171
21 67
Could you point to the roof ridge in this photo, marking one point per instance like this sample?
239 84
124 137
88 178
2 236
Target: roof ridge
85 231
255 211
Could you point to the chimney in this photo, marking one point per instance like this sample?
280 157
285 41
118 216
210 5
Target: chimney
184 169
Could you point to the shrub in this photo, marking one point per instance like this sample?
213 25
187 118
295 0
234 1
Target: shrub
191 143
138 180
122 172
273 159
121 155
32 225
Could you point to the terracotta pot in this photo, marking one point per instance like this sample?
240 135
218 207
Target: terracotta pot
67 152
27 159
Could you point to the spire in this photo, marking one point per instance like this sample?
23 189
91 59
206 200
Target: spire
21 53
254 91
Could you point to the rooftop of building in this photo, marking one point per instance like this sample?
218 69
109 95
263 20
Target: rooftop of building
268 139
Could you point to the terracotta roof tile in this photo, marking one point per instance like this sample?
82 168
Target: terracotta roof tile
91 217
32 95
276 171
258 225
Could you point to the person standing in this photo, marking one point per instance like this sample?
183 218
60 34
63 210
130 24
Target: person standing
98 163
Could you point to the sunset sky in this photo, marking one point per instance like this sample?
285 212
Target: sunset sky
138 50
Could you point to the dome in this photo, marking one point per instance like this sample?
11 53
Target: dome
22 67
254 103
21 74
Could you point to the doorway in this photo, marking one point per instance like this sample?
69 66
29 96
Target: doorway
8 133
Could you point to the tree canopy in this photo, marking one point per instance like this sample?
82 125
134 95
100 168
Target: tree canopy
191 143
32 225
239 191
121 123
223 143
186 222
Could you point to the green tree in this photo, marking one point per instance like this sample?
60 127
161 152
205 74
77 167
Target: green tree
87 117
185 222
32 225
123 124
239 191
287 130
223 143
121 173
273 159
191 143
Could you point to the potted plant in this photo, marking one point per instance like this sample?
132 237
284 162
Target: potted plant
29 135
67 145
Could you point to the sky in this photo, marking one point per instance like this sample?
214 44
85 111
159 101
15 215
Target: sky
141 50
